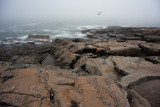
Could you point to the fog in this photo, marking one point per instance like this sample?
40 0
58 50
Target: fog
116 12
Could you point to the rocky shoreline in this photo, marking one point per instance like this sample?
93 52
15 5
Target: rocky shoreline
114 67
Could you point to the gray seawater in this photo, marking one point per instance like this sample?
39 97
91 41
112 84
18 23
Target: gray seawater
12 33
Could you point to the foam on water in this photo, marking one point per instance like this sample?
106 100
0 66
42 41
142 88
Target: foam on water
23 37
14 41
64 34
19 33
90 27
10 40
47 30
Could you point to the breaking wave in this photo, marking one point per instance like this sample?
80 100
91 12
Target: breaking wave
19 33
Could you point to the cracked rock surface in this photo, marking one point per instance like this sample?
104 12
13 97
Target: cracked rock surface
114 67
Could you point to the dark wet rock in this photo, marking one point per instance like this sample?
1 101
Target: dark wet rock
149 90
130 38
79 40
153 59
31 59
136 100
152 38
24 53
125 33
150 48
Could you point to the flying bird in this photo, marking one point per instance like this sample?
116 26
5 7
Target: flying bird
99 12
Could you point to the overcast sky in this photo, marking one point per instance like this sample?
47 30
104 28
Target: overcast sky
124 11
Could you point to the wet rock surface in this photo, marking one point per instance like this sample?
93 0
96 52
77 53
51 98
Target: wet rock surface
24 52
125 33
114 67
150 91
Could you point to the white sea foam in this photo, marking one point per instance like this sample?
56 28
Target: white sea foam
38 43
90 27
55 32
48 30
66 34
23 37
10 40
13 41
79 35
40 39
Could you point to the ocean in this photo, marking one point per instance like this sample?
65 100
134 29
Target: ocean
13 33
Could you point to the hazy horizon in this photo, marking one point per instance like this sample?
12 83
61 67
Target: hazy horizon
114 12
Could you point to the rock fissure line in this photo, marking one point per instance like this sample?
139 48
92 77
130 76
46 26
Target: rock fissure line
32 95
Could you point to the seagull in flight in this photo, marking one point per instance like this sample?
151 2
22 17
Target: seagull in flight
99 12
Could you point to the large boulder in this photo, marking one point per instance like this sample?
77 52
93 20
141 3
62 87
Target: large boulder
64 53
123 49
137 100
150 48
149 90
24 53
135 69
153 59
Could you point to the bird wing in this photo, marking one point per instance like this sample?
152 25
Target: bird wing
99 12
